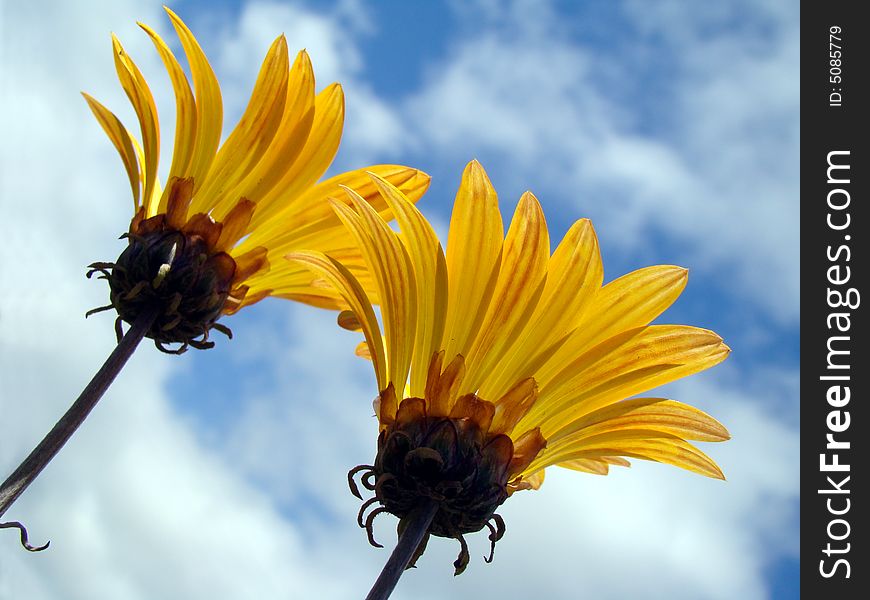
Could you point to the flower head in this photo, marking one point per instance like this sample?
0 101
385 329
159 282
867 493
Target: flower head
498 359
210 242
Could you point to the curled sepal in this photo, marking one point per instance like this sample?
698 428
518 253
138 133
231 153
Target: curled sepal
464 557
23 532
366 470
496 532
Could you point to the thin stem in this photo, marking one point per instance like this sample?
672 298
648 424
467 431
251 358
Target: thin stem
418 525
51 444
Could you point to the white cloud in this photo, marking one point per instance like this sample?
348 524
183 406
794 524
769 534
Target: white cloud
714 166
146 503
135 507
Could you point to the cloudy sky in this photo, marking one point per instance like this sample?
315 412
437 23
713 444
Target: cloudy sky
221 474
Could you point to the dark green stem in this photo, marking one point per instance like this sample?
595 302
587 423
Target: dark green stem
418 525
51 444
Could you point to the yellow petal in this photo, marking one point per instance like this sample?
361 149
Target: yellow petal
346 284
430 274
653 446
252 135
474 246
139 93
655 414
122 141
209 106
309 221
288 143
633 300
185 114
314 158
629 363
574 275
388 261
326 300
520 284
293 282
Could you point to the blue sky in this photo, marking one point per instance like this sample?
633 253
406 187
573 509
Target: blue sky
674 127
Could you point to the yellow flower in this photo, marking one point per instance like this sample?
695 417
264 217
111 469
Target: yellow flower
211 242
499 359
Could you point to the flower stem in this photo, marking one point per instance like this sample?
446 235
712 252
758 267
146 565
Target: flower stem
418 524
51 444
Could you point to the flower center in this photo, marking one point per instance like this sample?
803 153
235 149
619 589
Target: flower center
448 460
178 275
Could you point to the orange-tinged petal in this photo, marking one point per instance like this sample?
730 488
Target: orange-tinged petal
249 263
473 408
526 449
205 227
474 246
527 481
121 139
596 466
514 405
178 195
362 350
587 465
387 405
347 319
235 224
442 387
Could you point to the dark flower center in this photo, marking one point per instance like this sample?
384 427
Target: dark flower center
448 460
175 274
